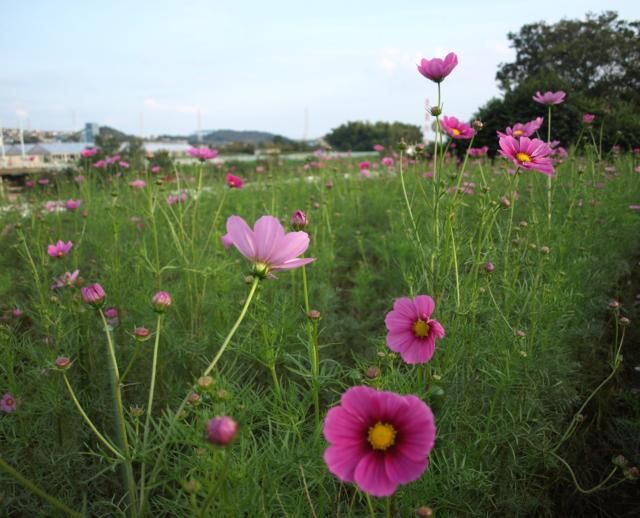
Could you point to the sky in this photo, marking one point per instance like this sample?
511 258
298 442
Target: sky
295 68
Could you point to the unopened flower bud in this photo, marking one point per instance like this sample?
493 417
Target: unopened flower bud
505 202
194 398
624 321
314 314
63 363
424 512
141 333
299 220
477 124
620 461
205 382
222 394
545 249
161 301
489 267
436 111
192 486
136 411
614 304
372 372
93 295
632 473
221 430
520 333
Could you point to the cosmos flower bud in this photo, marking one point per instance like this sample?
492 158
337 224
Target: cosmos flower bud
624 321
136 411
424 512
141 333
93 295
314 314
161 301
194 398
477 124
299 220
205 382
221 430
63 363
489 267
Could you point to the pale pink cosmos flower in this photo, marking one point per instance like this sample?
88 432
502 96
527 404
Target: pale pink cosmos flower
155 169
100 164
203 153
226 240
437 69
529 154
260 169
588 118
138 184
549 98
172 199
235 182
378 148
387 161
457 129
478 152
365 173
523 130
60 249
79 179
411 331
93 295
67 279
123 164
378 440
8 403
72 205
267 245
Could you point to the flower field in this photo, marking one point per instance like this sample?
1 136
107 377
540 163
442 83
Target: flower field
414 332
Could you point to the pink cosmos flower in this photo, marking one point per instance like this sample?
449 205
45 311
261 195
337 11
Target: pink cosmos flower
478 152
235 182
72 205
387 161
549 98
365 173
378 440
155 169
67 279
588 118
523 130
437 69
100 164
172 199
93 295
299 220
221 430
161 301
112 315
260 169
8 403
529 154
378 148
79 179
457 129
138 184
412 333
123 164
226 240
43 181
29 184
203 153
364 165
267 245
89 152
60 249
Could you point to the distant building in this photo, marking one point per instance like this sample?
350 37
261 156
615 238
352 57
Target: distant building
90 132
175 149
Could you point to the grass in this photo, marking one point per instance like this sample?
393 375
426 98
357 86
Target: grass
503 384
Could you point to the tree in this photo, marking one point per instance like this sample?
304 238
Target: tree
596 61
362 136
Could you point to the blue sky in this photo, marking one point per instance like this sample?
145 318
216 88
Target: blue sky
150 67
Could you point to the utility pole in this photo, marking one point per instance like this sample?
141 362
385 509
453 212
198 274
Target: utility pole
22 140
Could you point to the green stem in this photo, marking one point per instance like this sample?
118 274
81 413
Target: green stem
9 470
575 480
314 357
88 420
121 427
147 422
549 177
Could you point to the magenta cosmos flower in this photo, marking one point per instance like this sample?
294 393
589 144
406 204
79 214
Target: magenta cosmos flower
530 154
588 118
457 129
267 245
378 440
235 182
523 130
72 205
203 153
93 294
88 152
8 403
437 69
412 333
549 98
60 249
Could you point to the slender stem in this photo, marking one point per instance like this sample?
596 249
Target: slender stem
9 470
575 480
549 177
314 357
121 427
174 419
370 505
104 440
147 422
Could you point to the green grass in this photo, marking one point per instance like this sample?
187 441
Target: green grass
501 401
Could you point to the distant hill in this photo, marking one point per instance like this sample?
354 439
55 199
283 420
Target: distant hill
226 136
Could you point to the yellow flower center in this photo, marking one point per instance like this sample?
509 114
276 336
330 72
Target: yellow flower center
420 328
381 436
523 157
456 131
517 133
60 253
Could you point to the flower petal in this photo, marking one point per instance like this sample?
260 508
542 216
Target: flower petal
242 237
371 476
